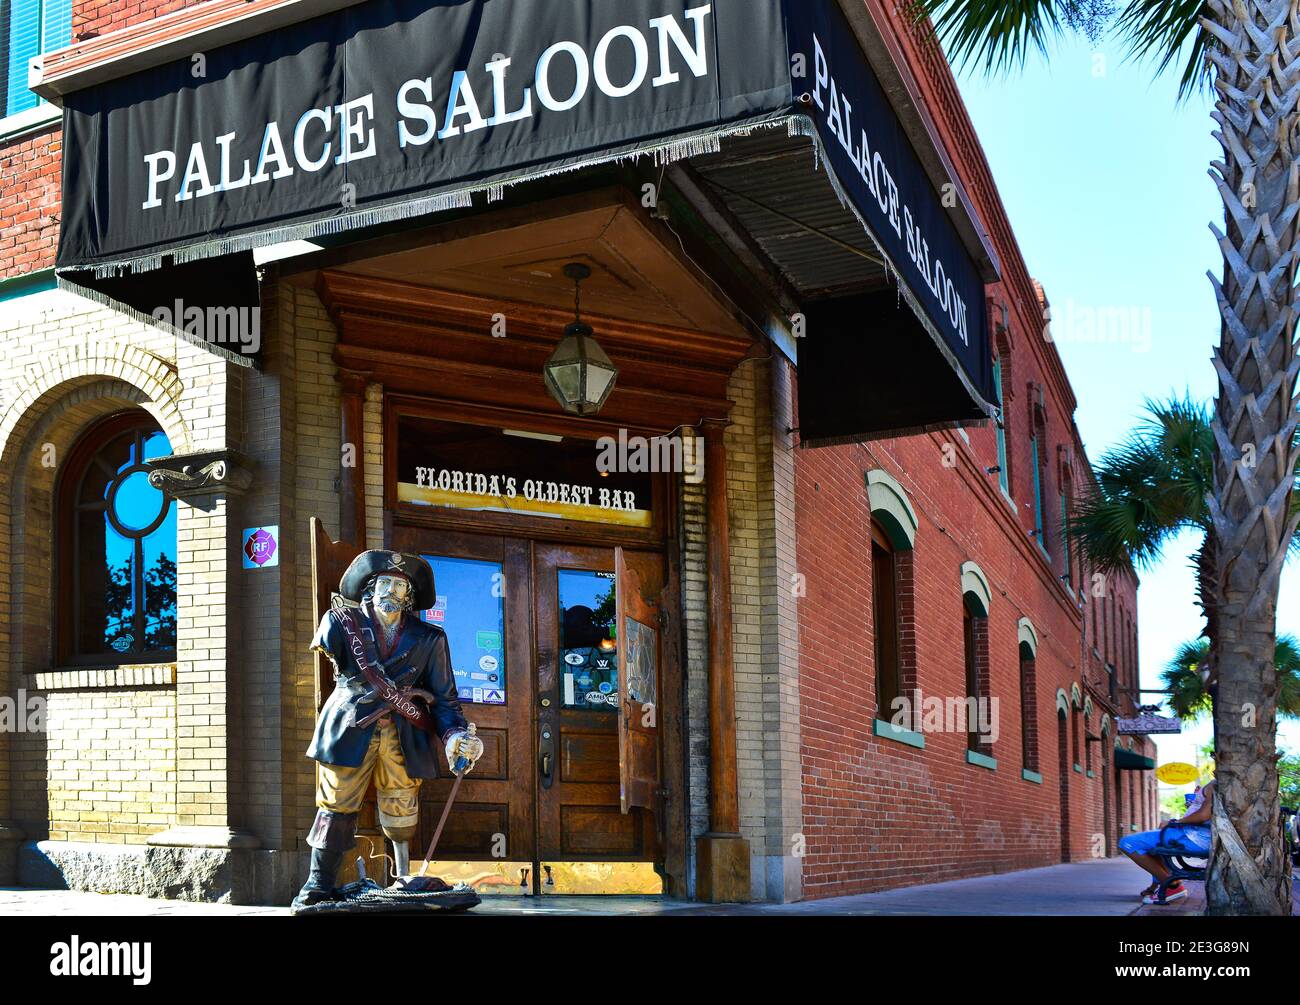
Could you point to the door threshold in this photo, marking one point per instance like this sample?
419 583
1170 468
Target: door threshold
583 905
515 880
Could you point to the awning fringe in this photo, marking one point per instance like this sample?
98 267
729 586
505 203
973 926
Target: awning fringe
663 153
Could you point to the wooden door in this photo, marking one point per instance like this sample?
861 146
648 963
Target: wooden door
579 690
329 560
483 590
640 589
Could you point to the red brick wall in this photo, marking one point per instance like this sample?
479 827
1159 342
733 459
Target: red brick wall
29 201
30 165
878 813
99 17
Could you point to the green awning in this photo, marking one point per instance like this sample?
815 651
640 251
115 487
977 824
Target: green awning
1128 760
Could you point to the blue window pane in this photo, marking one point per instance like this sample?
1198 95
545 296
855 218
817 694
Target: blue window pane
27 29
56 32
1003 475
120 601
589 654
156 445
22 41
470 608
159 567
137 503
126 550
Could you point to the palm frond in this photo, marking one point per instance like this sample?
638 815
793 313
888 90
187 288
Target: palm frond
1181 677
999 34
1149 487
1165 30
1189 698
1287 659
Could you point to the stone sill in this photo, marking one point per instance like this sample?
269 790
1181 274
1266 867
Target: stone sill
896 733
90 678
983 760
1031 776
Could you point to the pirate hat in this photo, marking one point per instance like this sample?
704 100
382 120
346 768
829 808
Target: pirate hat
376 563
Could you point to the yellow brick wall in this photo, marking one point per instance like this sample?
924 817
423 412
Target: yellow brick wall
104 768
313 473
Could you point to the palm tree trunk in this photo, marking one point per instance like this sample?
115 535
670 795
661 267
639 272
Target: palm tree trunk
1257 78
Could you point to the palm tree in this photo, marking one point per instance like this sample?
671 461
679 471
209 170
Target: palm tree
1248 52
1186 679
1148 489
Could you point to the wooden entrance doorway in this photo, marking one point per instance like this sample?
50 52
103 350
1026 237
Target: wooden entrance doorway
559 652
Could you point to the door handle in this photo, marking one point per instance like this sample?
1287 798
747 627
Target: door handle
545 749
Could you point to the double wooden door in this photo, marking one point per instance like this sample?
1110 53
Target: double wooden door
557 653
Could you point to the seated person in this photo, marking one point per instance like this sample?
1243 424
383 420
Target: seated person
1190 833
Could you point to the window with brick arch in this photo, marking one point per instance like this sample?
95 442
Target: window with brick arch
892 609
1067 548
1004 463
1039 457
116 547
1028 708
1087 746
1074 733
975 636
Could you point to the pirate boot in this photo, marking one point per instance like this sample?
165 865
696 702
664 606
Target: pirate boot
331 836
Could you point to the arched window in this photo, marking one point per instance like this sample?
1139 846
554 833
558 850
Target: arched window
116 547
884 608
1004 462
1028 640
893 603
975 635
977 598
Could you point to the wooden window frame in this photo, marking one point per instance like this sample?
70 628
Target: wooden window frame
886 637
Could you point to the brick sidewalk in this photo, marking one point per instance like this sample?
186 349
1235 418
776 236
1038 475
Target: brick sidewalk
1194 904
1106 888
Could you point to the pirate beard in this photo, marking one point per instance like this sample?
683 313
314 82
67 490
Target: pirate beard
387 613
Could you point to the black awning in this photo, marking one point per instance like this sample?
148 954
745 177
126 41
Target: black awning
868 369
394 109
1128 760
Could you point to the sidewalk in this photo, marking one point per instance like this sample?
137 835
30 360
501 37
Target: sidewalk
1105 888
1195 902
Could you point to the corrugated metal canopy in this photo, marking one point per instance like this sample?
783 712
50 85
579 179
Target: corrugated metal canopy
772 184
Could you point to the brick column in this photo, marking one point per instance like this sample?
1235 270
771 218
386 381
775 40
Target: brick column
352 478
208 651
722 855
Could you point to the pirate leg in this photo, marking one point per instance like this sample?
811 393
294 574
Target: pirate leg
339 794
399 794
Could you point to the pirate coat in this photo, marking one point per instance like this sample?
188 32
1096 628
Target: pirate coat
420 658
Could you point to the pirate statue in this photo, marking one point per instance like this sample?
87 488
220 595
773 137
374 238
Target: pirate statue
394 697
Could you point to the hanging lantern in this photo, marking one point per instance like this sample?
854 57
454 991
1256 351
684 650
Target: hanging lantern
579 375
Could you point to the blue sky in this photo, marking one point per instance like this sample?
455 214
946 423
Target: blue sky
1104 175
